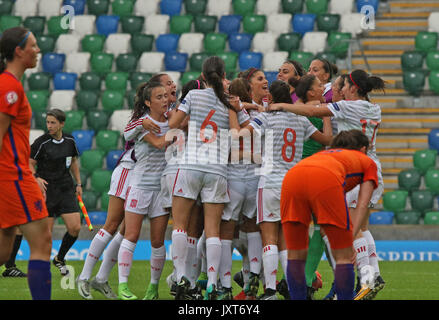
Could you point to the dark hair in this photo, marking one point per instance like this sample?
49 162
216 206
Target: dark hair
156 77
143 93
343 78
248 74
58 114
364 82
214 71
241 88
302 85
10 39
280 92
352 139
190 85
298 66
329 67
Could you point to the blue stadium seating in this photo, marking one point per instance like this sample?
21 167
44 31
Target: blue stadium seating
303 22
373 3
78 5
240 42
112 157
433 139
64 81
271 76
97 217
53 62
83 139
107 24
167 42
248 59
229 24
176 61
171 7
381 217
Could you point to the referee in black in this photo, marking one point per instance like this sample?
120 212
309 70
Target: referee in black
54 159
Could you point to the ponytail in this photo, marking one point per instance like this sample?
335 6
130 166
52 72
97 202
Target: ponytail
214 71
302 86
365 83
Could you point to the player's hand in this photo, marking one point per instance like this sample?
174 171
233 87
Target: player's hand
235 102
274 107
149 125
79 190
42 184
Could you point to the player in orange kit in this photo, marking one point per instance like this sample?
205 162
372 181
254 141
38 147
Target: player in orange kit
342 167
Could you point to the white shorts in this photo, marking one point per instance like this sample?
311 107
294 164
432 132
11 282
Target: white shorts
120 179
268 205
212 188
145 202
352 196
242 199
167 183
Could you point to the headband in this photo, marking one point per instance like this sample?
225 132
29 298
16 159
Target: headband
24 39
352 79
250 73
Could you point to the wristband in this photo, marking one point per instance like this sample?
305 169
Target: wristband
79 185
36 175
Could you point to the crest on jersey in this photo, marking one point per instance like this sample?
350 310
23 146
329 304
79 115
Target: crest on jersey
11 97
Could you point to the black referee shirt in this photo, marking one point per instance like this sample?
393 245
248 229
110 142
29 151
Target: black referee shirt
54 157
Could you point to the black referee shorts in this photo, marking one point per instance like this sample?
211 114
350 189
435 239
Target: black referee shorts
61 199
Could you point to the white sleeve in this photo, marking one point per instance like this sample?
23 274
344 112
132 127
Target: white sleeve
185 105
134 129
259 123
309 128
243 116
338 109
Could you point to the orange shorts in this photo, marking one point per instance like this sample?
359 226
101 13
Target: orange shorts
307 190
21 202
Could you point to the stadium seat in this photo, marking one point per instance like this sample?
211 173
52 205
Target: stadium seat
141 43
6 7
249 59
273 60
314 41
112 158
7 22
171 7
107 140
92 160
431 218
74 120
100 180
93 43
331 57
126 62
412 60
328 22
146 8
253 23
407 217
433 22
78 5
426 41
219 8
240 42
422 201
264 42
132 24
38 99
303 22
24 8
49 8
195 7
271 76
84 25
395 201
381 217
97 217
137 78
46 43
243 7
267 7
279 23
413 81
352 23
432 60
36 24
101 62
230 59
53 62
341 6
40 119
104 200
409 179
167 42
433 81
151 62
157 24
196 61
87 99
316 6
191 43
62 99
338 43
215 42
122 8
97 120
304 58
372 3
98 7
107 24
205 24
78 62
116 81
176 61
90 81
34 134
424 159
431 179
39 81
188 76
179 24
55 26
229 24
119 119
64 81
117 43
289 41
112 100
90 199
433 139
292 6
